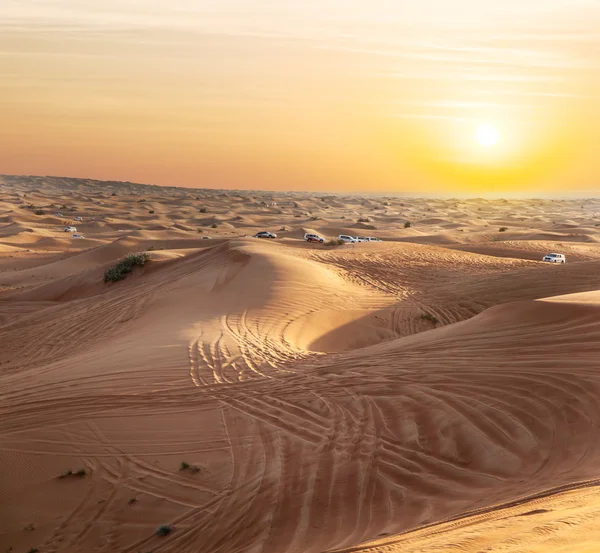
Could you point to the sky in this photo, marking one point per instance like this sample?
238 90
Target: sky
356 95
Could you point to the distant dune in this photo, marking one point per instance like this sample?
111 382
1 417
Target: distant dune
437 391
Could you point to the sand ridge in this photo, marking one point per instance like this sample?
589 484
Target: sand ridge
323 396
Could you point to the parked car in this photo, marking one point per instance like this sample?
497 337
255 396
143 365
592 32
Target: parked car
70 229
313 238
361 239
77 218
347 239
78 236
265 234
372 239
555 258
58 214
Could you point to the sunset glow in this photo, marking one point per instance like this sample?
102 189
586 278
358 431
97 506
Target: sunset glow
346 96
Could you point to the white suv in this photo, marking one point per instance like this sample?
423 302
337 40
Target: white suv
554 258
309 237
347 239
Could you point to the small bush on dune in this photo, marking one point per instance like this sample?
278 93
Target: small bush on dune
502 229
39 212
163 530
202 210
184 465
370 227
334 242
407 224
429 317
363 220
214 225
79 473
125 266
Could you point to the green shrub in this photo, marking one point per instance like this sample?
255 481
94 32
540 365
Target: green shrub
184 465
39 212
407 224
202 210
334 242
429 317
163 530
125 266
79 473
132 500
151 211
502 229
214 225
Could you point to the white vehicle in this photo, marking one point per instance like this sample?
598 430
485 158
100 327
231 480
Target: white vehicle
78 236
371 239
58 214
361 239
555 258
265 234
77 218
347 239
70 229
309 237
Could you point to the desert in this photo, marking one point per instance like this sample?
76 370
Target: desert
436 391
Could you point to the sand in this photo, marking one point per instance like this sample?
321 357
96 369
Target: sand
434 392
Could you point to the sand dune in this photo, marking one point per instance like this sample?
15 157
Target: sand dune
434 392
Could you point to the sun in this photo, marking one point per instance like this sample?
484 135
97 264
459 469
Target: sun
487 135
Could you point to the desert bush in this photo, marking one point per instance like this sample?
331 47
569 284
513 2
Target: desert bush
334 242
407 224
363 220
429 317
164 530
202 210
132 500
140 201
151 249
114 194
33 550
502 229
39 211
125 266
370 227
186 466
151 211
79 473
214 225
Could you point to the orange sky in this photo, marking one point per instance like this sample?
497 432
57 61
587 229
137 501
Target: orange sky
379 95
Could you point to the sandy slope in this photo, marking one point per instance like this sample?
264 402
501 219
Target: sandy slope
323 397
